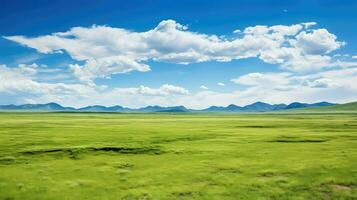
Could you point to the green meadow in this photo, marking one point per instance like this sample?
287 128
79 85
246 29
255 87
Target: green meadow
178 156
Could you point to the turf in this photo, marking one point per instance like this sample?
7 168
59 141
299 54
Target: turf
178 156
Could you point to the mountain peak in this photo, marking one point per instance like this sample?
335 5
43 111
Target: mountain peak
232 106
254 107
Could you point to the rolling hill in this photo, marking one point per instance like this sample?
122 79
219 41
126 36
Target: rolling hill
347 107
36 107
255 107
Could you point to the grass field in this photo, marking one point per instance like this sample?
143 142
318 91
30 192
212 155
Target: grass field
178 156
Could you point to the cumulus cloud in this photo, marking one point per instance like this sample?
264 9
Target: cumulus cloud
108 50
104 67
323 83
203 87
283 85
308 24
28 69
318 41
264 80
275 87
165 89
101 51
21 84
220 84
21 79
288 81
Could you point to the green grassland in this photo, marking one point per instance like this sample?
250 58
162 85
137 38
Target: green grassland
178 156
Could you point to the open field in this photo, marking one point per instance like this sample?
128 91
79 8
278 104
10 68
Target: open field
178 156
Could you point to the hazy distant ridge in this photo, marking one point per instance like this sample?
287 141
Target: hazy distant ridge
255 107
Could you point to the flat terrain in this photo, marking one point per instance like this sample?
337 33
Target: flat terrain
178 156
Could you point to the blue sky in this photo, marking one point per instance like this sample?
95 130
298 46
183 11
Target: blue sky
192 53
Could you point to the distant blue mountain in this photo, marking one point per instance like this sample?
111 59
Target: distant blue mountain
296 105
263 107
230 108
174 109
98 108
255 107
37 107
149 109
161 109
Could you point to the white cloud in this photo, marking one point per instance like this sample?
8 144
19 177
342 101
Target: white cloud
279 87
264 80
17 83
203 87
220 84
26 58
20 81
278 80
165 89
308 24
104 67
287 87
108 50
101 51
318 41
323 83
237 31
28 69
354 57
333 85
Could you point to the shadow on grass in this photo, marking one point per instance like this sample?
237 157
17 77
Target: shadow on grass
74 152
299 140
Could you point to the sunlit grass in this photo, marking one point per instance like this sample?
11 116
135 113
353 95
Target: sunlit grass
178 156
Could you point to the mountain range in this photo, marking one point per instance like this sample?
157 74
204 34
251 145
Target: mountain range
255 107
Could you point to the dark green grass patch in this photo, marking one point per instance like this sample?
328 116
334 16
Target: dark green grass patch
120 150
296 140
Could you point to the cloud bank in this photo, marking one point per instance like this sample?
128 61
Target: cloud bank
309 71
274 87
108 50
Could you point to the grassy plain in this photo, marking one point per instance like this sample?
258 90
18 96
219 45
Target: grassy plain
178 156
